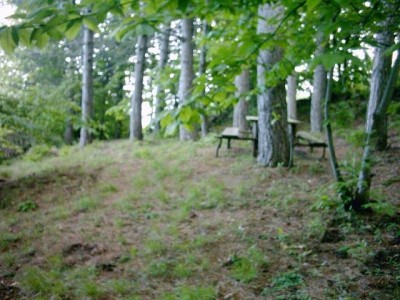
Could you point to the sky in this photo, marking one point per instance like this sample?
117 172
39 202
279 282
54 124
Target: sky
5 11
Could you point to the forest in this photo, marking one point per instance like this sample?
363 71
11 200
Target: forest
199 149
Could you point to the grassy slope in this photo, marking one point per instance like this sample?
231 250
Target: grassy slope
168 220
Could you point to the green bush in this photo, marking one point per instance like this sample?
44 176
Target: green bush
37 153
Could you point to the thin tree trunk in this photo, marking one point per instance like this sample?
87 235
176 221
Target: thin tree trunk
380 71
291 102
160 95
328 132
202 71
242 83
364 178
136 132
319 84
292 112
87 86
187 74
273 141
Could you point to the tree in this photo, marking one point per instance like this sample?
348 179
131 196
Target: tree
160 95
242 83
202 71
136 132
319 85
87 86
379 77
372 134
187 75
273 143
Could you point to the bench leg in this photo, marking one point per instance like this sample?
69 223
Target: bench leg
255 148
219 146
323 153
229 144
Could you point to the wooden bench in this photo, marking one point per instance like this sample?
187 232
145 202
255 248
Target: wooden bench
308 139
233 133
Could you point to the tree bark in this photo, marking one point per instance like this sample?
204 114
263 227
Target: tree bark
87 86
136 132
202 71
364 178
319 84
242 83
291 97
380 71
273 141
160 95
187 74
328 132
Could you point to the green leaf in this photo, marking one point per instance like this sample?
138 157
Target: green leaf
73 29
91 24
42 39
312 4
17 16
144 29
168 119
7 42
183 5
185 114
14 35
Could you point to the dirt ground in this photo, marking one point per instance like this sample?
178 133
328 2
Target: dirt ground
177 223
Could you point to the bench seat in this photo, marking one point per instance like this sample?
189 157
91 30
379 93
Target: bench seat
233 133
312 140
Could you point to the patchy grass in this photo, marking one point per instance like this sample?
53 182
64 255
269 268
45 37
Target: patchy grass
168 220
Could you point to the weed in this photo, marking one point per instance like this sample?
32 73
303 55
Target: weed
155 246
108 188
8 239
27 206
382 208
86 203
191 293
37 153
246 268
286 286
158 268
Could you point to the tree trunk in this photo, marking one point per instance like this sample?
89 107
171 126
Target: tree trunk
319 84
380 71
136 132
292 112
364 178
273 141
291 97
202 71
87 86
187 74
328 132
242 83
160 95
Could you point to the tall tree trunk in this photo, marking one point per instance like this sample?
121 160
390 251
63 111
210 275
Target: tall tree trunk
160 95
319 84
136 132
328 132
202 71
364 178
87 86
380 72
187 74
242 83
292 112
291 97
273 141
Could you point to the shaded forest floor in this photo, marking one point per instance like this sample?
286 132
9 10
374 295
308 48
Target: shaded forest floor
168 220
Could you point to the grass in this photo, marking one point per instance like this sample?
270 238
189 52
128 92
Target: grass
167 220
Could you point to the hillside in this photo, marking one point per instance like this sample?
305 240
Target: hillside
168 220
